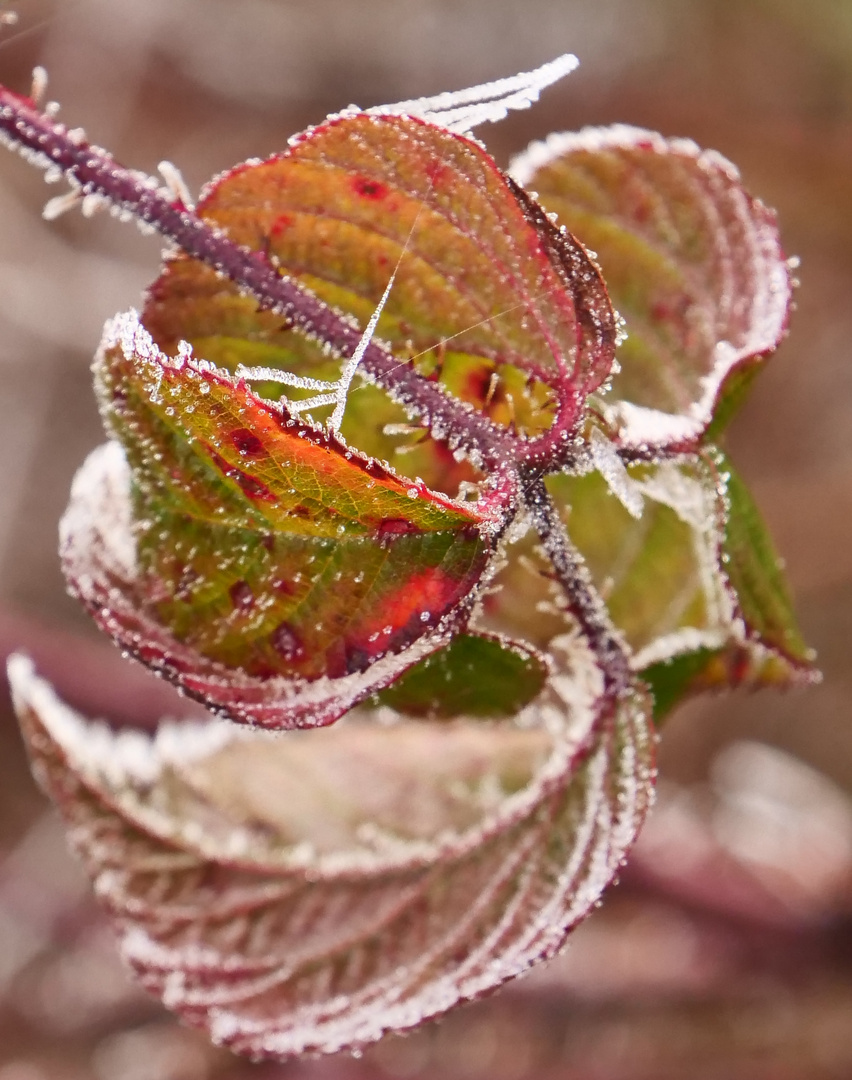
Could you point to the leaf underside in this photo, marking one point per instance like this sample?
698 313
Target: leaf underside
692 262
366 880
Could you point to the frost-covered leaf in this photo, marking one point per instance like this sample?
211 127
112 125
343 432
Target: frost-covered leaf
489 299
693 263
693 583
198 577
762 645
365 878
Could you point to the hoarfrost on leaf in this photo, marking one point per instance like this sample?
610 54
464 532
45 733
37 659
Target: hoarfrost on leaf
705 293
287 924
463 110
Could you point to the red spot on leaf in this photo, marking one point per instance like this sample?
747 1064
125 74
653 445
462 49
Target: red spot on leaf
281 224
395 527
404 615
241 595
436 171
369 189
247 442
250 485
286 642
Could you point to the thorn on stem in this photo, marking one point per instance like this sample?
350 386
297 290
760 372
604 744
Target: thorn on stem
38 89
176 184
61 204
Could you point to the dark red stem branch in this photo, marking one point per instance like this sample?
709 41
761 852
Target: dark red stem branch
583 600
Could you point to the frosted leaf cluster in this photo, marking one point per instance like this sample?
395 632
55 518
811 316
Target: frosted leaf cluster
580 546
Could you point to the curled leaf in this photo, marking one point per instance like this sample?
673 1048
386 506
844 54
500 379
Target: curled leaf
239 635
692 262
366 879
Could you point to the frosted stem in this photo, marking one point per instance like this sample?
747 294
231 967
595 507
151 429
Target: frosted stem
582 597
633 455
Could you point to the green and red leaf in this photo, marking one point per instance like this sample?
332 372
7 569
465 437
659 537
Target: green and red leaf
263 545
490 300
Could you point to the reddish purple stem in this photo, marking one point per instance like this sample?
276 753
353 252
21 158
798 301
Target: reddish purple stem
582 598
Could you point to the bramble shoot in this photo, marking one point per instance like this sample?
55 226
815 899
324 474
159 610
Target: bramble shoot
427 455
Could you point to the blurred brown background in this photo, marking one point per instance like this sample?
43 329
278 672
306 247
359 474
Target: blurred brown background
206 83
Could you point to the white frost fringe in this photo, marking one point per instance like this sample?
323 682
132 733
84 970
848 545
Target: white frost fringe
462 110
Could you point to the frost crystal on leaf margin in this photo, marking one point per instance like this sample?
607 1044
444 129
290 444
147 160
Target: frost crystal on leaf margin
463 110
